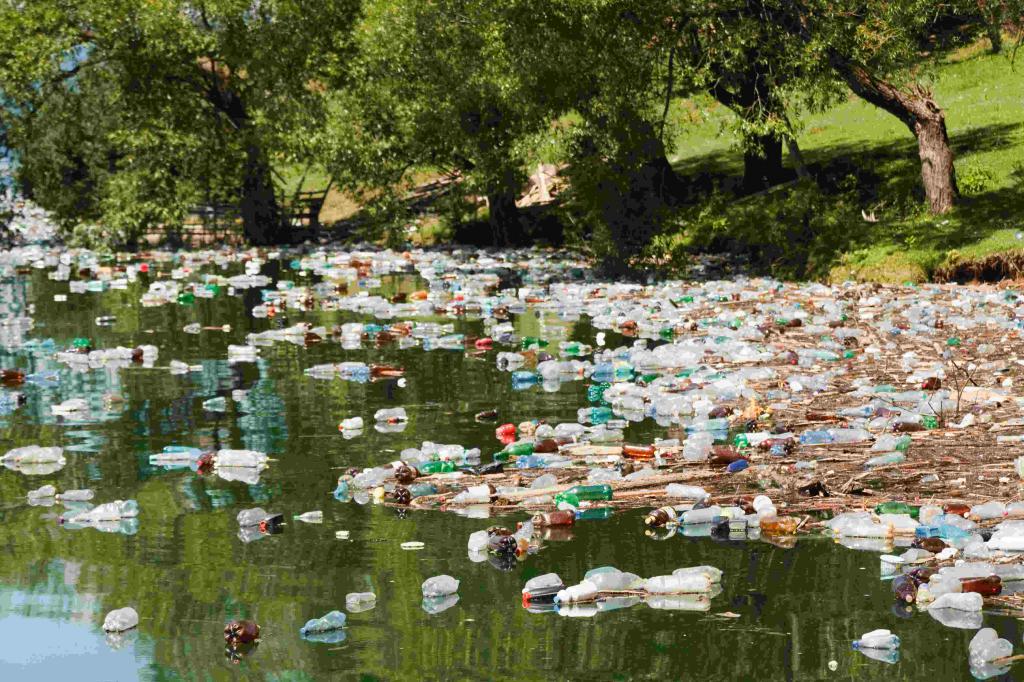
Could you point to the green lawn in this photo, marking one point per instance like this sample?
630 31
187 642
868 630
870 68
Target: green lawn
863 158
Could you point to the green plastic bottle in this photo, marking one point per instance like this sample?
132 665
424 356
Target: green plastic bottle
571 348
595 393
897 508
81 342
930 421
517 449
580 493
186 298
435 467
533 343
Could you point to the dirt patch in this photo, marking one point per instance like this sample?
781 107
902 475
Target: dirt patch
994 268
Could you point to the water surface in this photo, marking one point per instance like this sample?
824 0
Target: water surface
783 614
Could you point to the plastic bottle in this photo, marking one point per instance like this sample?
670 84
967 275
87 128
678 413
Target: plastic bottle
310 517
392 415
888 458
581 493
898 508
584 591
778 525
111 511
357 602
877 639
678 584
706 515
542 587
351 424
986 645
593 415
121 619
687 492
218 404
819 437
611 579
251 517
43 493
968 601
439 586
435 467
240 458
332 620
714 575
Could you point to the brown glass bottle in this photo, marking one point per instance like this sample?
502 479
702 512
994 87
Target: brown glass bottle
638 451
241 632
986 587
905 589
659 517
401 495
933 545
382 371
546 446
779 525
957 508
405 474
12 377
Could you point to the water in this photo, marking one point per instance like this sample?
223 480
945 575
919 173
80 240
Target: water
784 613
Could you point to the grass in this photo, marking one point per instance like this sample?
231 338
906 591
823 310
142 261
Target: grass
864 159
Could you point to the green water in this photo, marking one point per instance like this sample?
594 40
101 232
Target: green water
791 611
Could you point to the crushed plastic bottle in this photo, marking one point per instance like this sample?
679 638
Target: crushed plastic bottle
440 586
121 619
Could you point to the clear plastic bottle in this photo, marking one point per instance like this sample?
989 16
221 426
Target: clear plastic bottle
310 517
439 586
391 415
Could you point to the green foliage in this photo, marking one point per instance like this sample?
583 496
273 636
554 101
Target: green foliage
190 101
974 179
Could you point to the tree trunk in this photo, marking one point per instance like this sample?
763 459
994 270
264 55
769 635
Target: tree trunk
503 217
762 163
994 29
748 98
937 171
925 119
262 220
797 158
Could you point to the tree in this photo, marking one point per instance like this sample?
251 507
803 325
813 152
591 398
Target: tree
741 57
240 84
440 86
873 46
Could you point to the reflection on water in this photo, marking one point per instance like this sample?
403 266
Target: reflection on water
785 613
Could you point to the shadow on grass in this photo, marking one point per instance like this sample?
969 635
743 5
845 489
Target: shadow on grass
803 229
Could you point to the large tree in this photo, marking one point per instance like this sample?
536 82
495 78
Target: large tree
874 46
223 87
